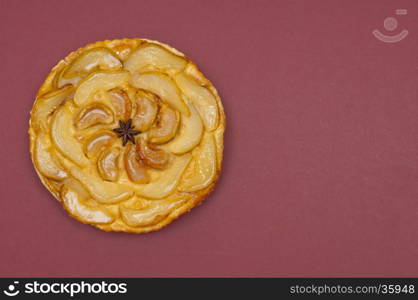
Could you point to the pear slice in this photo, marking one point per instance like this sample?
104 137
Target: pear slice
167 181
123 51
81 211
92 60
121 103
62 133
146 111
99 81
135 168
78 188
219 135
161 85
189 134
44 160
49 102
152 56
152 156
149 215
101 191
166 126
202 98
202 171
98 142
107 165
92 115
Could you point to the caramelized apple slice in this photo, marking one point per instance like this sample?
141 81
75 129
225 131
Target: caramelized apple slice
62 133
146 111
203 170
107 165
153 157
149 215
98 143
167 180
152 56
121 103
166 126
44 160
92 115
49 102
99 81
101 191
190 133
135 168
92 60
161 85
74 205
202 99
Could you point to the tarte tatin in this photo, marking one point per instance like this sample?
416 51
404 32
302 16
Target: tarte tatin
127 134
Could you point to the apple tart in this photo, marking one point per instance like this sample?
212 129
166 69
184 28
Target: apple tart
127 134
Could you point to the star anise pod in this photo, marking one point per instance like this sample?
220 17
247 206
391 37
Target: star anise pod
126 131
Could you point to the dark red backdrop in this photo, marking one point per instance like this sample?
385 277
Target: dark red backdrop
321 163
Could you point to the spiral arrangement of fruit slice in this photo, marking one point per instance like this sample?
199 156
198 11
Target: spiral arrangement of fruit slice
127 134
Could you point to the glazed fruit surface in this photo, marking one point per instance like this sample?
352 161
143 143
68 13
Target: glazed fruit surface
127 134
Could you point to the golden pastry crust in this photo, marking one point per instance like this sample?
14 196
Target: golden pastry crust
127 134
